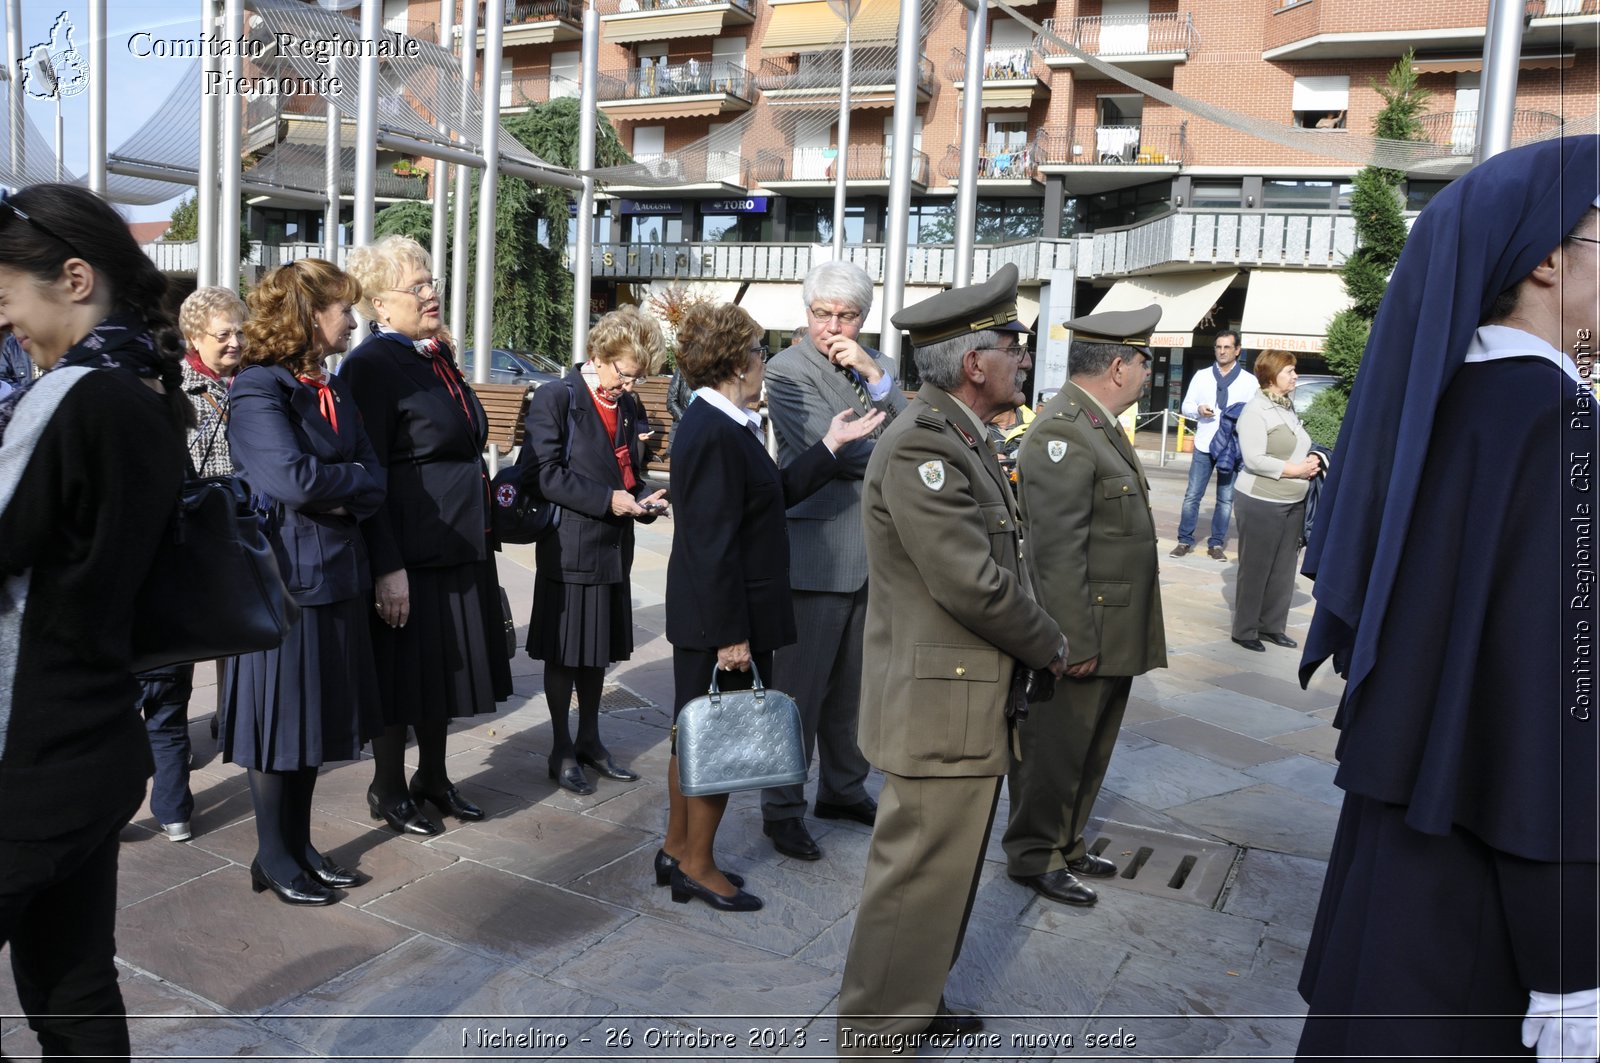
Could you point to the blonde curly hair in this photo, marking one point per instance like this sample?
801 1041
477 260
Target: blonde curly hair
624 331
383 265
283 308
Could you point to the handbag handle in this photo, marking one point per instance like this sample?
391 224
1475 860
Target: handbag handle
716 695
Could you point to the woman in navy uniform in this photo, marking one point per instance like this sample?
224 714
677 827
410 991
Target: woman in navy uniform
437 628
296 436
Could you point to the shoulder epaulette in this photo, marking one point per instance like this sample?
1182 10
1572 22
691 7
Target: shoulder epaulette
931 420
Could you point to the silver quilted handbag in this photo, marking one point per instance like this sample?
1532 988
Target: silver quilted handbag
742 740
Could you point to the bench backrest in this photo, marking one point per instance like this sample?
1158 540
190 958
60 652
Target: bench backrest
505 405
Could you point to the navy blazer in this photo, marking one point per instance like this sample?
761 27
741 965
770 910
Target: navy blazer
593 545
436 512
728 576
301 469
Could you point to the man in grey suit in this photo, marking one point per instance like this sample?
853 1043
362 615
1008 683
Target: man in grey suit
809 382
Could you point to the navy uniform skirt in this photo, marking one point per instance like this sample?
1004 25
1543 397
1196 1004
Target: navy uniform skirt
580 625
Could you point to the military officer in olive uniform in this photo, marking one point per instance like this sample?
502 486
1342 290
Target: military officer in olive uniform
948 617
1092 545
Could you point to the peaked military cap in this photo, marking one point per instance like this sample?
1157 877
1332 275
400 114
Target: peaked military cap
1130 327
963 311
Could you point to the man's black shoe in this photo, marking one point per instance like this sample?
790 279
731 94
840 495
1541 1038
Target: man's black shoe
1059 885
863 811
790 837
1092 865
1251 644
1279 640
953 1025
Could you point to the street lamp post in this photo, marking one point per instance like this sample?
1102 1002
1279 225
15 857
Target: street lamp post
846 10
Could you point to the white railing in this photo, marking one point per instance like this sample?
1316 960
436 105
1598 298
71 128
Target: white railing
183 256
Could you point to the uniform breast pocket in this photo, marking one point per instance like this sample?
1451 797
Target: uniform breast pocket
1118 496
306 567
955 691
998 520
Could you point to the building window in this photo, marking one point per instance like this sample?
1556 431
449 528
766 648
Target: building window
1213 195
1001 220
1126 206
730 228
811 221
1321 102
564 75
1301 195
1420 193
932 222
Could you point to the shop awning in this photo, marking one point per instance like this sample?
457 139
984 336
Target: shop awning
1289 310
1184 299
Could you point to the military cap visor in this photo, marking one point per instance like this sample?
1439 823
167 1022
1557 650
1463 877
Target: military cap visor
991 305
1131 328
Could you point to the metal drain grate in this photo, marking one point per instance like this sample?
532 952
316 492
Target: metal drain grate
1166 865
616 697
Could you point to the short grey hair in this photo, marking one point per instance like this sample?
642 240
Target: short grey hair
838 282
940 363
1092 359
380 266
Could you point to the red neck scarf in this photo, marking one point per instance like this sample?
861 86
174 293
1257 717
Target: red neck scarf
327 401
199 366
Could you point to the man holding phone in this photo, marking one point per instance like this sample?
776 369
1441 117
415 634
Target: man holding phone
1210 393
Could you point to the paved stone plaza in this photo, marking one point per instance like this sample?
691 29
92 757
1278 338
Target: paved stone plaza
499 939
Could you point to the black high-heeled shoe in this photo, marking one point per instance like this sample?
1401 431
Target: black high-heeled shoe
568 775
403 817
449 802
604 765
665 864
303 890
332 875
685 888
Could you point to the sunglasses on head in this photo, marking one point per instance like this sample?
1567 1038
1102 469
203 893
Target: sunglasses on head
6 202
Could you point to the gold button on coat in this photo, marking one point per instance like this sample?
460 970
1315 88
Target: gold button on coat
961 669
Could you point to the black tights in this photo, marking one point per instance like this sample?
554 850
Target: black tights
559 682
282 802
389 760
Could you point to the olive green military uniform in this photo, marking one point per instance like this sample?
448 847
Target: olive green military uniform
947 617
1092 545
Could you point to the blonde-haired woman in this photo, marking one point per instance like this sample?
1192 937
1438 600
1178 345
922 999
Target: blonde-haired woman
436 623
584 446
297 438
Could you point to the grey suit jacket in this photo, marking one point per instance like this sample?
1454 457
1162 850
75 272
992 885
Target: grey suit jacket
827 544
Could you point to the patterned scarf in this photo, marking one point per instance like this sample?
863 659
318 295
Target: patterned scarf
121 341
1280 400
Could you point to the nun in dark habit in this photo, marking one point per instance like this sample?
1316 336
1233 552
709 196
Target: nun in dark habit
1455 566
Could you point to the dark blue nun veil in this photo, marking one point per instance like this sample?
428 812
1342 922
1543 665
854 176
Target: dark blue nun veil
1480 236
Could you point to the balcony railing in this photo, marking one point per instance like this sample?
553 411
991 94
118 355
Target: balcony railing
864 162
1458 130
999 64
544 11
1115 145
1555 8
872 68
925 264
726 167
624 7
680 79
540 88
999 160
1111 36
1311 239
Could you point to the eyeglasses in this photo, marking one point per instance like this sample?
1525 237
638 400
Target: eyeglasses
762 349
1016 352
227 334
5 200
1585 239
844 317
432 286
628 378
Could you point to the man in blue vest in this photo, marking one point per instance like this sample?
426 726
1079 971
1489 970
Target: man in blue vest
1211 392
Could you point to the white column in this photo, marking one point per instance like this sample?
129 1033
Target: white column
483 295
583 258
366 183
1497 101
97 96
441 169
971 125
463 211
841 162
15 126
232 149
331 173
908 53
206 189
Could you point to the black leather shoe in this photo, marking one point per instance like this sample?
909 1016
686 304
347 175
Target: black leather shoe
1251 644
569 776
863 811
403 817
604 765
303 890
1279 640
685 889
1059 885
449 802
790 837
332 875
1092 865
665 865
953 1025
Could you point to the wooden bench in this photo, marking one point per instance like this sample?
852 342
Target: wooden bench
653 393
505 405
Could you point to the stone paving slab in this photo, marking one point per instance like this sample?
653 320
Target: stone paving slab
1162 777
1305 776
1266 817
1241 713
1216 744
1276 888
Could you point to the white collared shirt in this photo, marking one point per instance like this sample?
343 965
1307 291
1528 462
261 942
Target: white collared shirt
1494 342
748 418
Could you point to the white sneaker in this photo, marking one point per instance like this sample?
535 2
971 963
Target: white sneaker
177 832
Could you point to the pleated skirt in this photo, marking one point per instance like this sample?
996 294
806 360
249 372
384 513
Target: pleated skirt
312 700
450 659
580 625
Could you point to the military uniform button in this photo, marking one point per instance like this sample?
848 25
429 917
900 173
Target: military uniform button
961 669
1124 487
1099 599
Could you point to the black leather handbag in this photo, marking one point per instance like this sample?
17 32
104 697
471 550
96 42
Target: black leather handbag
520 515
215 589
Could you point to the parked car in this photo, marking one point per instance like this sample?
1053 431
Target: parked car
517 367
1310 386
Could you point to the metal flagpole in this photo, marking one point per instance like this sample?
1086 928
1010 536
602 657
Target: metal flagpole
97 97
332 172
845 9
366 183
908 54
463 211
19 151
971 119
1501 55
206 192
582 265
441 169
483 295
232 145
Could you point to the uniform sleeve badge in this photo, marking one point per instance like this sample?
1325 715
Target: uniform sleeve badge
932 473
1057 449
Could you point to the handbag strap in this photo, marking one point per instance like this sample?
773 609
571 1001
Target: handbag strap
715 694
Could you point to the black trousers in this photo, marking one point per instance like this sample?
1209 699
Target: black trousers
58 903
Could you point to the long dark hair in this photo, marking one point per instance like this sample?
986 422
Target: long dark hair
66 221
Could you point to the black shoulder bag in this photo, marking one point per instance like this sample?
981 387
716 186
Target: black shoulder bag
520 514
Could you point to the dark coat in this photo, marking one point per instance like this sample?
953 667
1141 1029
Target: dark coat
303 470
436 512
592 546
728 577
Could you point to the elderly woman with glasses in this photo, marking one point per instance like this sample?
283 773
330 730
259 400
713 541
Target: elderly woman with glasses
584 447
437 622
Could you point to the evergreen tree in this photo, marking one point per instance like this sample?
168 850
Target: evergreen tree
413 218
1380 236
